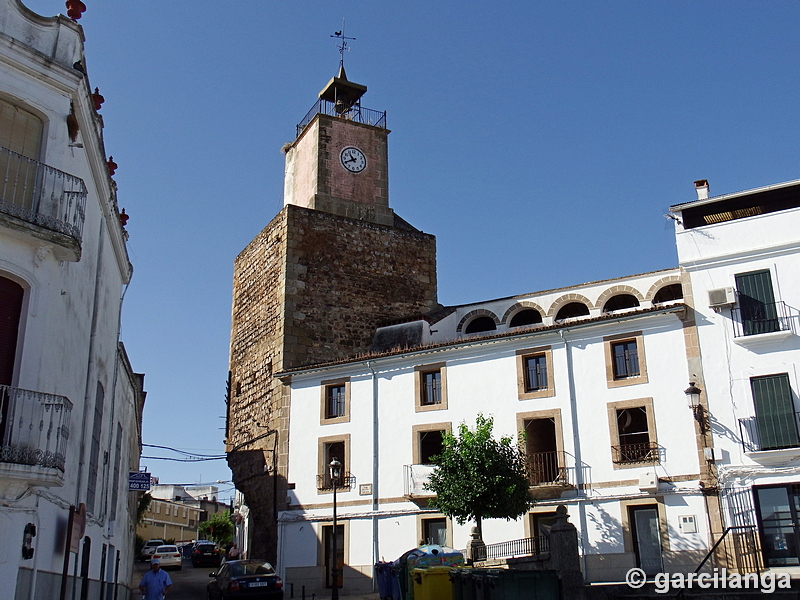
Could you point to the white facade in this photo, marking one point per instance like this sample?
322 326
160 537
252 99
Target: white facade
71 402
575 421
750 347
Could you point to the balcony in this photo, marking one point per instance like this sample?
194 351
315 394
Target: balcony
38 200
35 430
766 437
344 482
355 113
634 454
759 323
414 479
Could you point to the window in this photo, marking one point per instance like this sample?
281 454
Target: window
427 441
481 324
434 531
337 447
431 388
620 302
535 373
757 307
335 401
625 361
633 433
94 454
776 420
673 291
528 316
572 310
544 448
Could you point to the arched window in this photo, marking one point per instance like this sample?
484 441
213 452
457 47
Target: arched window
673 291
481 324
528 316
573 309
621 301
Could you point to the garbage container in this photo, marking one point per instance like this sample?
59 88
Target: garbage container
383 573
432 583
423 557
508 584
456 581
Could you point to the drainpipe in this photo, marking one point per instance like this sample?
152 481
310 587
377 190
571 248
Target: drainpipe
579 483
375 456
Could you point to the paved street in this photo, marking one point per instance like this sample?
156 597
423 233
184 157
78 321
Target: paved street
190 583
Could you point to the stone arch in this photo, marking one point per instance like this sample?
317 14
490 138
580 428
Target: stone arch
566 299
616 290
663 282
519 307
480 312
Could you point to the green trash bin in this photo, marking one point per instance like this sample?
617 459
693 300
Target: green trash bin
456 580
508 584
432 583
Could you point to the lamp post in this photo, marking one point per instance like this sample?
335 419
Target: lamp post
335 470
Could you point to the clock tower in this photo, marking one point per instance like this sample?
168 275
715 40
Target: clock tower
334 264
339 161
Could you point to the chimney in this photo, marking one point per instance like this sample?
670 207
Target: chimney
701 187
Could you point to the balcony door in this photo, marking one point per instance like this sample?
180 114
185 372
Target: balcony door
544 461
11 294
20 132
775 414
757 302
778 509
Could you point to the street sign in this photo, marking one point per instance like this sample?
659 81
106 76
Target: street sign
138 481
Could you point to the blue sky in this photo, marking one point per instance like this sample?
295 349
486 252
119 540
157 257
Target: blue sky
541 142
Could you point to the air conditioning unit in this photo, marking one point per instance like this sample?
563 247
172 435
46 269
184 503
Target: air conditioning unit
721 297
648 482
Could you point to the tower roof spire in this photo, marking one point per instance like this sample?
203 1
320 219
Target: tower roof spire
343 93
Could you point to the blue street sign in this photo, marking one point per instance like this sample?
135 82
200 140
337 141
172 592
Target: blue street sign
138 481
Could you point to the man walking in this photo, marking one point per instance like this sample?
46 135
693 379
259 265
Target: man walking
155 584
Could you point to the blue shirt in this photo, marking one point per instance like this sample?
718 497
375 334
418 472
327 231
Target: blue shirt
155 582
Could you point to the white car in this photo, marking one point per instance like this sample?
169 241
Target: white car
150 547
168 556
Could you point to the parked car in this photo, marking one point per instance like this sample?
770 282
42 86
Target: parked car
150 547
169 556
206 554
253 579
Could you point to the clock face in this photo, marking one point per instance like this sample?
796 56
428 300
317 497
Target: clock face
353 159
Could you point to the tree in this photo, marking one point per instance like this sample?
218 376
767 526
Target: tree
218 528
478 477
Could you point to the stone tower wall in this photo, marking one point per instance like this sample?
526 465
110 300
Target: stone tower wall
310 288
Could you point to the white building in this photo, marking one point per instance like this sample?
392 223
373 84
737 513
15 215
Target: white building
741 252
595 376
71 403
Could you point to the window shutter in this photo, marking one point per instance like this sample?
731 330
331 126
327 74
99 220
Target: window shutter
757 302
777 425
20 130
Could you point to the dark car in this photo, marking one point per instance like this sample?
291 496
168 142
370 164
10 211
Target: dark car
206 554
252 579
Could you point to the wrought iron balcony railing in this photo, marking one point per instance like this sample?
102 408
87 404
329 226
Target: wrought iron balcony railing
39 194
344 482
549 468
759 317
34 427
355 113
770 432
645 452
515 548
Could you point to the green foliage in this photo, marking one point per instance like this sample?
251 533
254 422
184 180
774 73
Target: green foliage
144 504
478 477
218 528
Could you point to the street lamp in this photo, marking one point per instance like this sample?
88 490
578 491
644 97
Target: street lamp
336 471
693 398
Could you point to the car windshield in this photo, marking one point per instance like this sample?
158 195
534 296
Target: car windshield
251 568
206 547
167 549
156 543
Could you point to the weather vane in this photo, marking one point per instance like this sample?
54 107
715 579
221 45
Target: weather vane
343 44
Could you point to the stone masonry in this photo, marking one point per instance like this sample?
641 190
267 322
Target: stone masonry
310 288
